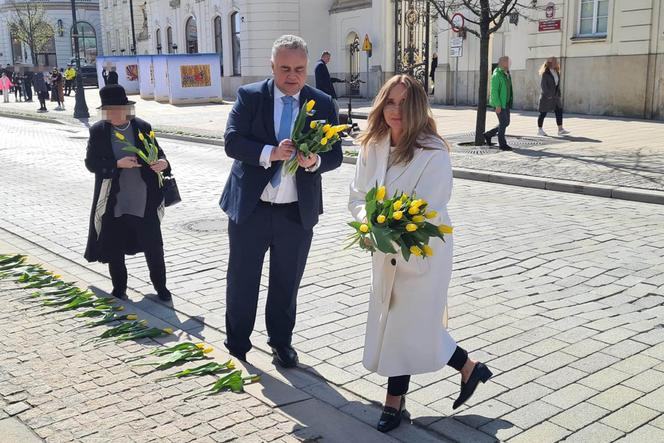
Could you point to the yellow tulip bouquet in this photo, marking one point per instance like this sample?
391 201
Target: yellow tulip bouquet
401 221
149 154
320 137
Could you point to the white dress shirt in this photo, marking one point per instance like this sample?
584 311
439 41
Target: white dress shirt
286 192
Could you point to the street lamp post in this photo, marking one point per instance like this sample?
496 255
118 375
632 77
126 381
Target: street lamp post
133 29
80 108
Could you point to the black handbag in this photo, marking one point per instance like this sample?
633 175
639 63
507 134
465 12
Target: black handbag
171 191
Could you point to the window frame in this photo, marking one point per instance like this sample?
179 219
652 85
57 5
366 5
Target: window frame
595 19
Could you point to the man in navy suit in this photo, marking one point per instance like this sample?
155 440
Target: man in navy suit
269 211
324 81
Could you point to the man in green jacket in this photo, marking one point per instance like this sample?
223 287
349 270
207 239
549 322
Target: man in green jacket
501 99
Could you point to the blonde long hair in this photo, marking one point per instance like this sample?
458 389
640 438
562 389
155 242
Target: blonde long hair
418 122
549 64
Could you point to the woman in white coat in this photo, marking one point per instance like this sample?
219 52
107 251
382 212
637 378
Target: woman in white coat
406 327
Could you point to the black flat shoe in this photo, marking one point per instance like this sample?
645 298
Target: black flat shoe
284 356
122 295
241 357
391 418
487 139
164 295
480 374
506 148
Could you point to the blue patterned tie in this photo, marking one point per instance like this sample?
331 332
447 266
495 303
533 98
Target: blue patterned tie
284 133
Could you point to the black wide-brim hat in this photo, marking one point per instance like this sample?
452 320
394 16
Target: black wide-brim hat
114 95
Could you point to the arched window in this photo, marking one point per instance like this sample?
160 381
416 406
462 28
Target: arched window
191 33
353 63
157 39
169 39
46 53
235 35
218 48
87 42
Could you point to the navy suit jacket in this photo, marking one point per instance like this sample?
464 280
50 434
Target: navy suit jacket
250 127
323 79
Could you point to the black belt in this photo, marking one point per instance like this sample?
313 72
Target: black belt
279 205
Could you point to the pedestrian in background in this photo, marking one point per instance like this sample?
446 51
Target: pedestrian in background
6 86
57 86
41 89
432 74
70 76
324 82
128 202
27 83
502 97
17 80
550 98
112 77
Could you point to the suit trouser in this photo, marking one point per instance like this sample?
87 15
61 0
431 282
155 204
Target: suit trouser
503 123
399 385
148 233
274 228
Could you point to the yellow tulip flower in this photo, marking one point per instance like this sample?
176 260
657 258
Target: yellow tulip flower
380 219
397 205
151 134
200 345
132 317
427 250
207 350
444 229
326 127
57 276
141 137
418 219
380 193
231 365
168 330
414 210
397 215
411 227
120 308
313 125
431 214
330 134
416 251
323 141
364 228
310 105
119 136
404 196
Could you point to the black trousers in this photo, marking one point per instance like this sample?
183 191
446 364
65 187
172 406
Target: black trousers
503 123
559 117
399 385
274 228
148 233
42 96
69 85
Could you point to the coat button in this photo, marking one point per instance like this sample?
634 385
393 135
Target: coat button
393 261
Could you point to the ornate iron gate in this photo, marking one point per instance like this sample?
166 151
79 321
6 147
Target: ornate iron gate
411 39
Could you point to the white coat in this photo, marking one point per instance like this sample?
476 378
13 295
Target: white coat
406 326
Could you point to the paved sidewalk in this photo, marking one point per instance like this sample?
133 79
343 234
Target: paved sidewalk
562 295
600 150
67 392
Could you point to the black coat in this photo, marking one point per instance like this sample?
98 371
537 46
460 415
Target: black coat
323 79
112 78
550 97
100 160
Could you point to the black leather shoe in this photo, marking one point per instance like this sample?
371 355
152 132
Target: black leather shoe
241 357
480 374
284 356
164 295
391 418
506 148
487 139
122 295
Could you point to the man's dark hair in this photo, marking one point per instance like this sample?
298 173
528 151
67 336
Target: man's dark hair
325 53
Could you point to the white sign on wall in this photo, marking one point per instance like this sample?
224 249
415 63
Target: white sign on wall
456 52
456 42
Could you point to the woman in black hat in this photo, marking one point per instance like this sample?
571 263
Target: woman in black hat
128 203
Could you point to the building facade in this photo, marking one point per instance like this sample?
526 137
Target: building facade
611 53
59 51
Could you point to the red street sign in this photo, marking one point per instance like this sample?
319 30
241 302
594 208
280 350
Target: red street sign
549 25
458 21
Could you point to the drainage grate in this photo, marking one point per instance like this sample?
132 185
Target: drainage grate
206 225
462 143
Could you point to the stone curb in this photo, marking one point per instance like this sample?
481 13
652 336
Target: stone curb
595 190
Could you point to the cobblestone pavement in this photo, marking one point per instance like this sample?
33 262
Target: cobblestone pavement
563 295
600 150
67 392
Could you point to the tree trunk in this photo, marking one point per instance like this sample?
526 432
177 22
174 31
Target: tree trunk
480 123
